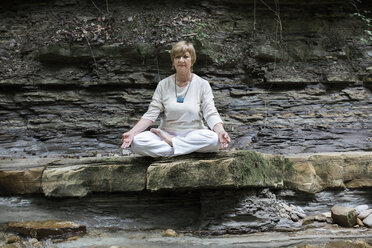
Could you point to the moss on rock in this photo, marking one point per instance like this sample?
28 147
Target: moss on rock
253 168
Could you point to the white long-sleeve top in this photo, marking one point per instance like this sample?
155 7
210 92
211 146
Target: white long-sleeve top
186 116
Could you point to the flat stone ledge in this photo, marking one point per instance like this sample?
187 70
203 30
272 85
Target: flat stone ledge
223 170
61 177
316 172
77 178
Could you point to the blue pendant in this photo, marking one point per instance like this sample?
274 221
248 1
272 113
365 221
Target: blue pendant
180 99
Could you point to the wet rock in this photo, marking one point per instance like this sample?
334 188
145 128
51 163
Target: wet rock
48 229
368 221
365 214
312 218
14 182
360 222
169 233
13 239
344 216
361 208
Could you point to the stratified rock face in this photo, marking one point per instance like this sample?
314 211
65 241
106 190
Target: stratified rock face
344 216
73 78
48 229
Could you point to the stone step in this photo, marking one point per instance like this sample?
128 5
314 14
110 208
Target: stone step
67 177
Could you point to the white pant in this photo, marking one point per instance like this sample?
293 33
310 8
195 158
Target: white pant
150 144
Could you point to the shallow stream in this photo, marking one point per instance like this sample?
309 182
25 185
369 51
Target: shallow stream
228 218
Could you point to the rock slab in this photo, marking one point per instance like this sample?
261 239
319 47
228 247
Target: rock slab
77 178
48 229
368 221
235 169
365 214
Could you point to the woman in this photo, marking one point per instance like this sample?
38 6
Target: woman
184 98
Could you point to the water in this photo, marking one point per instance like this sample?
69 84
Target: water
138 219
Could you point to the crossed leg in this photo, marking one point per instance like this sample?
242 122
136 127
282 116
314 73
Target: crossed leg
158 143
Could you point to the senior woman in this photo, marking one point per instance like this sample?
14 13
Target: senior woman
184 99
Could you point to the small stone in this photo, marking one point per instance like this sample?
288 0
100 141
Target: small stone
13 239
360 222
294 217
73 238
169 233
327 214
33 240
344 216
361 208
58 240
365 214
301 215
310 219
130 19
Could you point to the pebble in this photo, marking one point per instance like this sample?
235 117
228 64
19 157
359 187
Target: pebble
73 238
359 222
169 233
327 214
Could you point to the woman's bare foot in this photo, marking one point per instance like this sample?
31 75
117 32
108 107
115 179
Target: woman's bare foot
164 136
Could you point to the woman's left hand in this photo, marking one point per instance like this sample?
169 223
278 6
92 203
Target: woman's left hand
224 139
223 136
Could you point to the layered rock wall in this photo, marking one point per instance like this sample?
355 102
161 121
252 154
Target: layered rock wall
287 79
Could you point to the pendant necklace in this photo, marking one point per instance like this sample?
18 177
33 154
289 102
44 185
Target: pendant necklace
180 99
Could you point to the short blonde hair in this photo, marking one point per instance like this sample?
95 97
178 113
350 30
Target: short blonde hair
183 47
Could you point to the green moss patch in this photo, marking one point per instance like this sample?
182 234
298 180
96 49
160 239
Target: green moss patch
253 169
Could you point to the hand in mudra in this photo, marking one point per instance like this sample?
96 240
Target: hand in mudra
224 139
126 139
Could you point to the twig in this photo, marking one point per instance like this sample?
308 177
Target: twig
92 54
157 65
254 15
97 8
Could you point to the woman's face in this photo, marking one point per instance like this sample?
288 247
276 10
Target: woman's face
182 62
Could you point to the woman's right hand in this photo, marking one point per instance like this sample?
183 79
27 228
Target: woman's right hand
126 139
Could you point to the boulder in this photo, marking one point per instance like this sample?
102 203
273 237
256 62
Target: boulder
344 216
48 229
